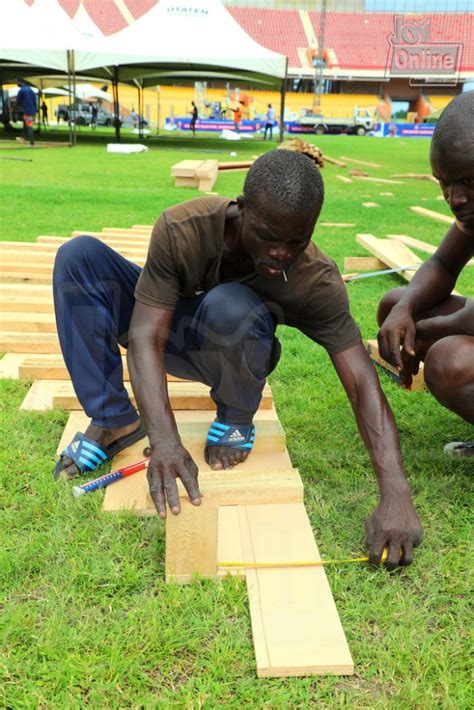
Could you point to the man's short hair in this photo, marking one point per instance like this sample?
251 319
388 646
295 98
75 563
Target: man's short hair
456 121
289 180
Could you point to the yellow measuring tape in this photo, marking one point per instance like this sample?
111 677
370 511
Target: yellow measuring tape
316 563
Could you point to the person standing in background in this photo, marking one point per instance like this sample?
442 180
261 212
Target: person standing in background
194 118
270 121
44 113
26 99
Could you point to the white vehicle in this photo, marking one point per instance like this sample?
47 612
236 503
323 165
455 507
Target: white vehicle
361 122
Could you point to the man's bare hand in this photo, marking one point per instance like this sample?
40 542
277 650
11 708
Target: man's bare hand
398 329
394 525
167 463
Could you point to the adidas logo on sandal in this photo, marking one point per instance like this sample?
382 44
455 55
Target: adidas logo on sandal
236 436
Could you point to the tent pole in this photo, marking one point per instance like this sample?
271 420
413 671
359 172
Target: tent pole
116 104
69 90
140 111
282 103
73 63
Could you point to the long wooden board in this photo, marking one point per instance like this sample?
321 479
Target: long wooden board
14 342
446 219
27 322
391 252
295 624
360 162
263 478
78 421
53 394
418 244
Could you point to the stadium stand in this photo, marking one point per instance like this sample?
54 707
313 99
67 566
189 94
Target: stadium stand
354 40
280 30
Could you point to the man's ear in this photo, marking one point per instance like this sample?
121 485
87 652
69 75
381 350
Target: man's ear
240 203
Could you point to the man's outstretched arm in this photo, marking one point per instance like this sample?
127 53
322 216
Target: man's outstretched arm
394 523
148 336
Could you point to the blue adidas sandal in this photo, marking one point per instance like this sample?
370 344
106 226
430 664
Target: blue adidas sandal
87 454
236 436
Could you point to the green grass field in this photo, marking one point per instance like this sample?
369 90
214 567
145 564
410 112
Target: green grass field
87 620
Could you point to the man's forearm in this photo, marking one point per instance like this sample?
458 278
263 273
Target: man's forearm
378 430
148 380
431 284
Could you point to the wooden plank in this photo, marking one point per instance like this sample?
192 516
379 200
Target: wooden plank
235 165
417 176
9 365
40 290
186 168
343 178
368 178
229 543
446 219
363 263
52 367
418 244
183 395
14 303
44 270
373 350
391 252
79 421
24 276
186 182
370 204
333 161
47 254
28 322
116 243
295 624
360 162
29 343
191 542
341 225
263 478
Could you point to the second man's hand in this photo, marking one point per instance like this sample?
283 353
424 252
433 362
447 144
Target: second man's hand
167 463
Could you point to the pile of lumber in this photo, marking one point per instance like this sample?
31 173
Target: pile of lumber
250 515
195 173
300 146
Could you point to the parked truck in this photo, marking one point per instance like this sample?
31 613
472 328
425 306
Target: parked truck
361 122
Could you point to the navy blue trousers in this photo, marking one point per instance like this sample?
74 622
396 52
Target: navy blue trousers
224 338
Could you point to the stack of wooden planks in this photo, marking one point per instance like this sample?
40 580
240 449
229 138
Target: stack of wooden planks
195 173
250 515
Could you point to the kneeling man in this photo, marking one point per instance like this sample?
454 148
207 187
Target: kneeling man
425 321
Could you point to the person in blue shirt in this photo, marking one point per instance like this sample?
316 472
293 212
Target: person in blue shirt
270 121
26 99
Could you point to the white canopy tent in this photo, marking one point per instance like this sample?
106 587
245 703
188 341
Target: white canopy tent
176 40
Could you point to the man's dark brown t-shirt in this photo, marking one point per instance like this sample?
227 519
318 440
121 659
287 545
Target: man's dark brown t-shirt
184 259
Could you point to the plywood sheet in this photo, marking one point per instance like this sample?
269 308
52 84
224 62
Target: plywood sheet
295 624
